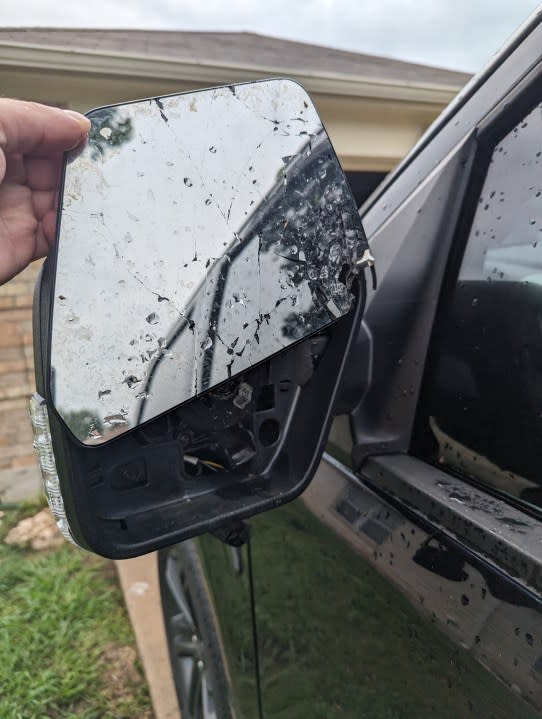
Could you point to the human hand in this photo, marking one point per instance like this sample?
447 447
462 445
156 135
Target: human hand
33 139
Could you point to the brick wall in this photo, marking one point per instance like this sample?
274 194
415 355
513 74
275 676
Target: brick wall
16 370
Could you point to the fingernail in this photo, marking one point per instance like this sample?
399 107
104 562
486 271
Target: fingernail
81 119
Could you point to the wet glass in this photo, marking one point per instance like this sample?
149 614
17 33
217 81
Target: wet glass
200 234
483 400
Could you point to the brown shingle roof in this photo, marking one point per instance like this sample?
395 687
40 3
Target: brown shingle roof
236 48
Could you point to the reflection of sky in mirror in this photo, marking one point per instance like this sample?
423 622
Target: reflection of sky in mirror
144 221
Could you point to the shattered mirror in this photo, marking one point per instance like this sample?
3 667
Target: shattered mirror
199 235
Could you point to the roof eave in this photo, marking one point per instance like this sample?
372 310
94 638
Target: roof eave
203 73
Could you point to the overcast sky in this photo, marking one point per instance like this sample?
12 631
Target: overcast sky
459 34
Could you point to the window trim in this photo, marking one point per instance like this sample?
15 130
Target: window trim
488 527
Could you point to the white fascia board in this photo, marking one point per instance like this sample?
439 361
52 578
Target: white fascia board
42 57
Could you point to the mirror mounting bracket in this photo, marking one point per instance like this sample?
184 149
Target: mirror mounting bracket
234 533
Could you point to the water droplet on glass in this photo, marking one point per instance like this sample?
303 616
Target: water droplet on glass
457 498
118 419
293 250
207 343
106 132
322 172
152 319
188 182
208 201
474 302
131 380
212 149
312 274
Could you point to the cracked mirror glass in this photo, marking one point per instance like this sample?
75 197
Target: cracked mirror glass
200 234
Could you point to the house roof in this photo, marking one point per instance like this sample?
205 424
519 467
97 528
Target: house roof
235 48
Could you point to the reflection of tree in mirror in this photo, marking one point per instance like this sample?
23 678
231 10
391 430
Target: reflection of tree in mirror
83 422
109 129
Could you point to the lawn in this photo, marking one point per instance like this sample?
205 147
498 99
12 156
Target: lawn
66 643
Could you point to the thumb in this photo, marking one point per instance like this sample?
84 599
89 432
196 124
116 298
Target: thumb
31 128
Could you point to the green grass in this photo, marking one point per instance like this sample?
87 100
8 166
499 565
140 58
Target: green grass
63 632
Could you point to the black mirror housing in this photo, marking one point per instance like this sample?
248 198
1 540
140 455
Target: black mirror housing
239 445
136 494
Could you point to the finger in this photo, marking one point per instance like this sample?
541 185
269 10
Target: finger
48 234
31 128
15 170
42 173
42 202
45 207
22 237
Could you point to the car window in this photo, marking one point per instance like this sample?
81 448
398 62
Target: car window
480 412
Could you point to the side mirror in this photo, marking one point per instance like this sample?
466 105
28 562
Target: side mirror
192 323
